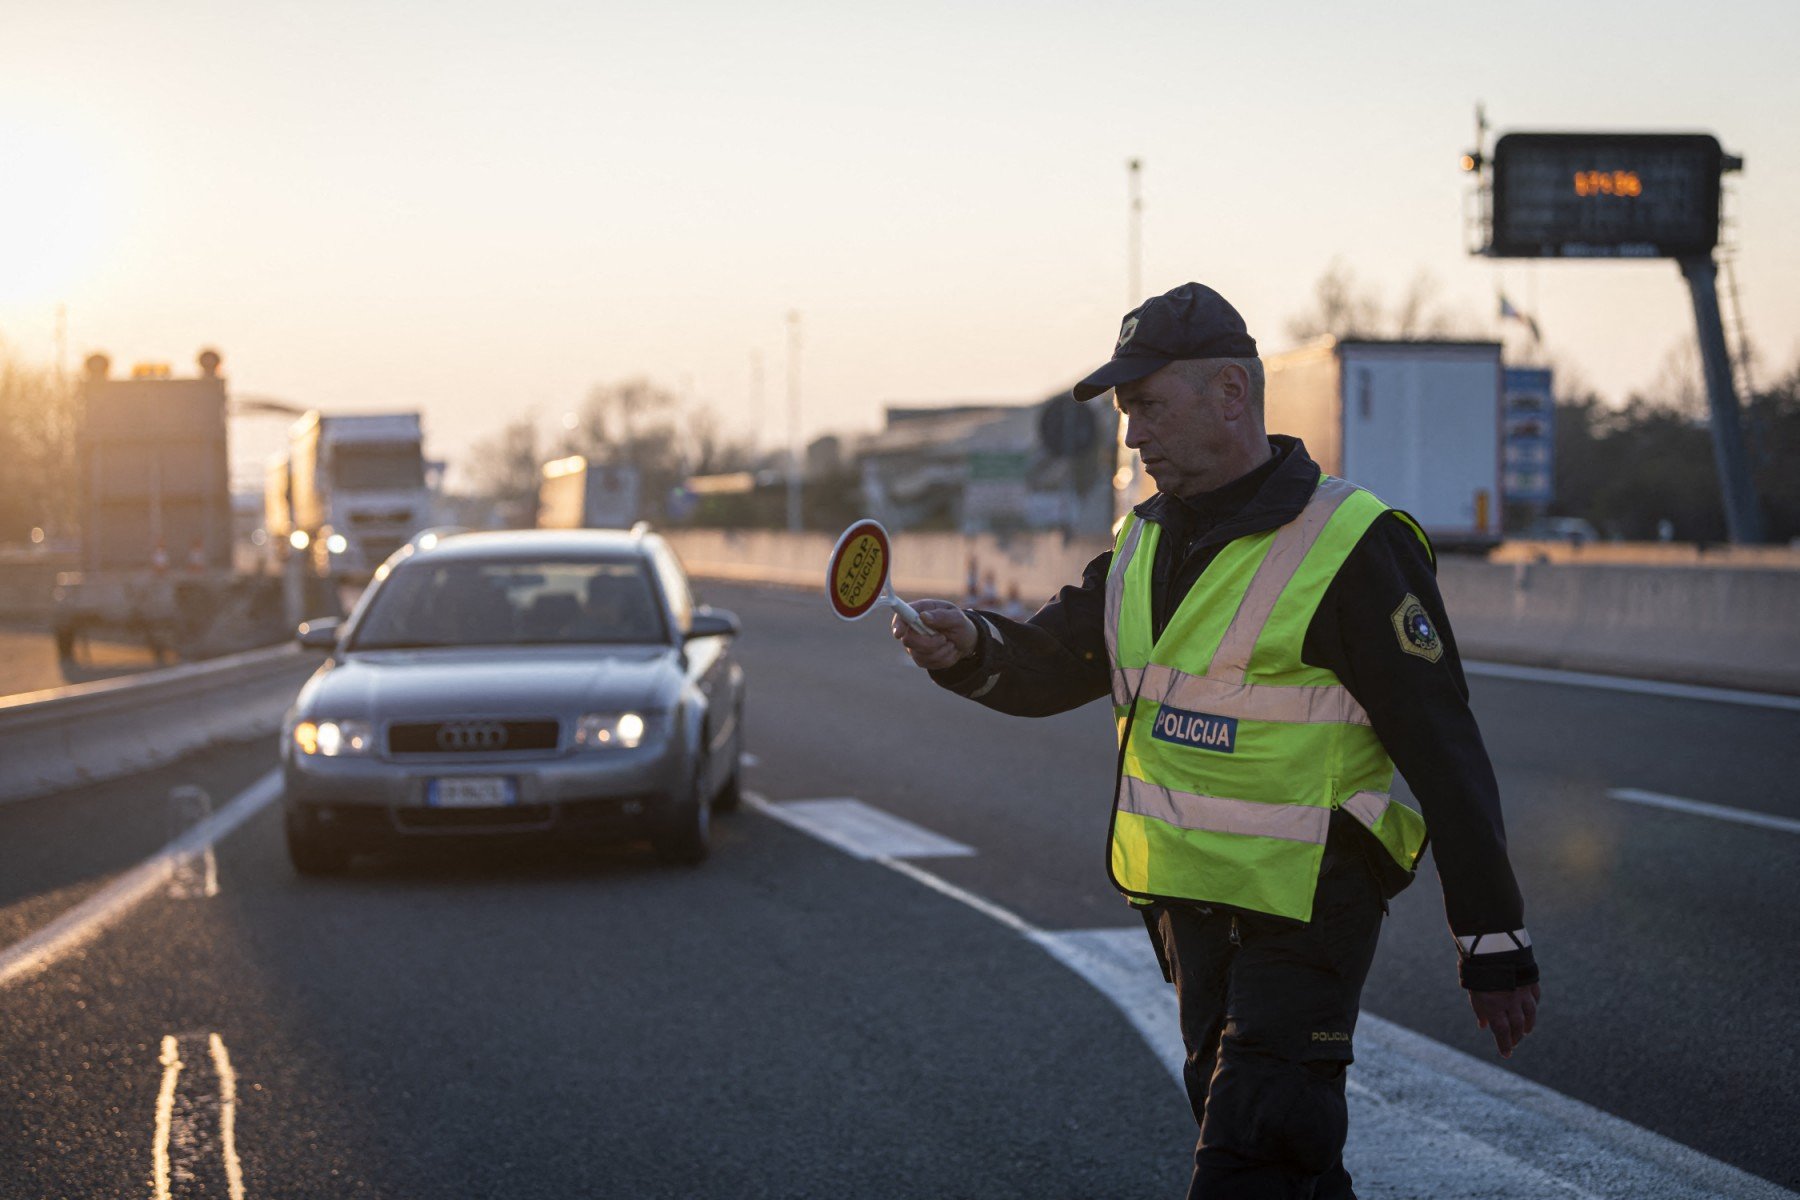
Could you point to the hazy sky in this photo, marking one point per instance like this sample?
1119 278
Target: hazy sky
481 210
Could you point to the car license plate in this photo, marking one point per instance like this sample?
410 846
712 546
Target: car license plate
470 791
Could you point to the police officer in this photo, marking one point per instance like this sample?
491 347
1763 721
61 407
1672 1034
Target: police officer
1274 645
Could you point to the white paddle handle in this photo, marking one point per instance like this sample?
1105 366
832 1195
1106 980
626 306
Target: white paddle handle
907 612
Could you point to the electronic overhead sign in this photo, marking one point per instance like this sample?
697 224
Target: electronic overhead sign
1606 195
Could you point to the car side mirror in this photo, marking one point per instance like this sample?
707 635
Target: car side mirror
712 622
321 634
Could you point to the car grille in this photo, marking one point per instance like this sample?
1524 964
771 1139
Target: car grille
472 737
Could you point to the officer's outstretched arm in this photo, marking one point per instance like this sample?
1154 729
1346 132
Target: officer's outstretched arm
952 640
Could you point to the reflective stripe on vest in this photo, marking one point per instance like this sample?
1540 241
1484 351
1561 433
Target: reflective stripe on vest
1234 751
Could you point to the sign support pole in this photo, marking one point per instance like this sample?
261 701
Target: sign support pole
1743 517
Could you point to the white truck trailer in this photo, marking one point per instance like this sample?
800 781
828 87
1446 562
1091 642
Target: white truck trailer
1416 422
577 494
355 488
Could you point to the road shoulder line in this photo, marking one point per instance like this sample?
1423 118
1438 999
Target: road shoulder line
87 919
1629 683
1699 808
1426 1119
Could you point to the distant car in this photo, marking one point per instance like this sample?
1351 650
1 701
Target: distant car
560 683
1577 531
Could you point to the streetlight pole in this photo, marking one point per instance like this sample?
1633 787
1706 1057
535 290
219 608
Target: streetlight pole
1134 239
756 400
793 386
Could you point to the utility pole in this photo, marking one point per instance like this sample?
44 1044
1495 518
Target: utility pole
756 399
793 387
1134 238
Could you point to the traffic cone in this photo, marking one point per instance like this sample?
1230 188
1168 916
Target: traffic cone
159 558
197 555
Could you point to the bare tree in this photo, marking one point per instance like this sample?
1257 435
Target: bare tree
1679 385
38 427
1345 308
1341 307
505 467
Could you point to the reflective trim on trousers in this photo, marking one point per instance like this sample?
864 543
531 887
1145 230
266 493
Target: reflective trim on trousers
1330 704
1215 814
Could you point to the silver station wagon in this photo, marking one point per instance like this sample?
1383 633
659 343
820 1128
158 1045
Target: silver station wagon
560 683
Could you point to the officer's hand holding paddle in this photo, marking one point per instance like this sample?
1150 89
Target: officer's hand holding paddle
952 638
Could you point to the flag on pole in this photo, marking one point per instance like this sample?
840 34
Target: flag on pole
1510 313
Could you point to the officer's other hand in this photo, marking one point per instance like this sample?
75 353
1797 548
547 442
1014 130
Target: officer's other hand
1509 1016
952 640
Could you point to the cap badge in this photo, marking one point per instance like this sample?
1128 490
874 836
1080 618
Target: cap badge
1125 332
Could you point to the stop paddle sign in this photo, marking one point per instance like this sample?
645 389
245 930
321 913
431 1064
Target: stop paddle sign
856 578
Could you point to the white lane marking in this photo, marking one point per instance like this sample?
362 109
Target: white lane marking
195 877
864 831
1486 1131
1699 808
234 1170
82 922
165 1112
1625 683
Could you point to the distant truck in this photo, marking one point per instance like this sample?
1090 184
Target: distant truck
156 519
577 494
349 492
1416 422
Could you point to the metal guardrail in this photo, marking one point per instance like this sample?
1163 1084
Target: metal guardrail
90 732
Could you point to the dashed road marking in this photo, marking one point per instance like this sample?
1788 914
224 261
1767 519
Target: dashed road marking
81 923
1425 1119
1699 808
866 832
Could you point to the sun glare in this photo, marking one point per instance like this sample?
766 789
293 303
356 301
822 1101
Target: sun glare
53 211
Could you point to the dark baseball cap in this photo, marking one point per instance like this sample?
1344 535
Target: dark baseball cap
1191 321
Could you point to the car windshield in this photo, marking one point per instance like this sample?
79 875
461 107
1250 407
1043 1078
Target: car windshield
524 603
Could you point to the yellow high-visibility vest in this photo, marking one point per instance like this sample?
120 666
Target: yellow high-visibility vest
1234 752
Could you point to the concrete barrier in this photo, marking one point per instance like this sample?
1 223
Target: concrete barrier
65 737
1726 627
1720 626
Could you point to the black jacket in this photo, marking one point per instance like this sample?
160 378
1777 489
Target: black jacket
1417 700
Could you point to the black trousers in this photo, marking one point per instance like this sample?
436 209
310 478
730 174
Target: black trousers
1268 1010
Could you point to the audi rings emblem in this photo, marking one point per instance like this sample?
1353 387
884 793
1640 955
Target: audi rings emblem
472 735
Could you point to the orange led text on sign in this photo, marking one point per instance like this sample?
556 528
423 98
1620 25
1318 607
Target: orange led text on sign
1608 183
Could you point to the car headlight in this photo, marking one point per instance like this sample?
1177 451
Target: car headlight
334 739
607 731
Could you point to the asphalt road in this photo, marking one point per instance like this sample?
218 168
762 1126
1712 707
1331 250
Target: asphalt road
1664 938
789 1021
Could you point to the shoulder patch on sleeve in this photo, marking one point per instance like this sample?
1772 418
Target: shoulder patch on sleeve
1412 625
